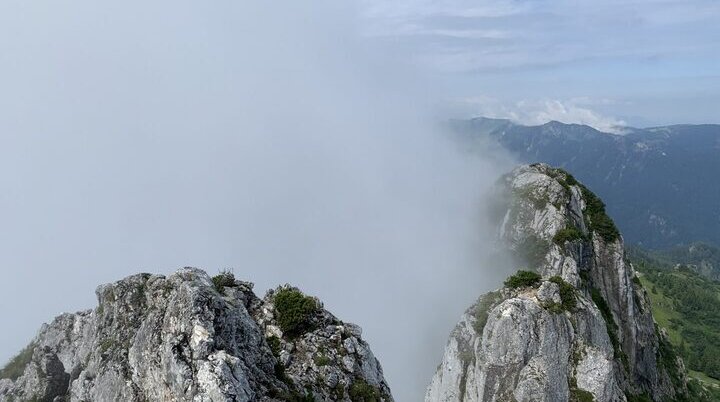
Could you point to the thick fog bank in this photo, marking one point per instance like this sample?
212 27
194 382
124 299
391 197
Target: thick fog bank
270 139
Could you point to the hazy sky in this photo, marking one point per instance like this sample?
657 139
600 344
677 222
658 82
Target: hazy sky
279 142
297 143
644 62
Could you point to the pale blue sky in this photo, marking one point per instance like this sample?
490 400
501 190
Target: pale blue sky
642 61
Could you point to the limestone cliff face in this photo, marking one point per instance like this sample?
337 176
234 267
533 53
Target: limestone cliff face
185 338
582 331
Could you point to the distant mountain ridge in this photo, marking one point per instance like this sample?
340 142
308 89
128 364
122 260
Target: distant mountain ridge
660 183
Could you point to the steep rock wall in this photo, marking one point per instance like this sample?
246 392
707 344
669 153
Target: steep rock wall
582 331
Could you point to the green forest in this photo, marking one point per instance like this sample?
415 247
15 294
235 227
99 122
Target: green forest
687 306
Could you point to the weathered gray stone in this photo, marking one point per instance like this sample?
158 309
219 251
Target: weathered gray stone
153 338
531 348
549 292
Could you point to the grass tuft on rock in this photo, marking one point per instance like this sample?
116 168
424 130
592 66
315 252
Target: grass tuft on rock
321 359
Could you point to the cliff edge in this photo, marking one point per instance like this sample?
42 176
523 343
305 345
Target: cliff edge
574 325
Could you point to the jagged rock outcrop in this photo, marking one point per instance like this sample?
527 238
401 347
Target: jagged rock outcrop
189 337
580 329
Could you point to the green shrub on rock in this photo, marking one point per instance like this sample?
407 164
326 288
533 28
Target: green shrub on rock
275 345
567 234
361 391
568 294
580 395
294 311
523 279
225 279
600 222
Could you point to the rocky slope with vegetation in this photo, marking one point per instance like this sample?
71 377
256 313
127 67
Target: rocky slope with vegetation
701 258
190 337
687 305
574 325
656 181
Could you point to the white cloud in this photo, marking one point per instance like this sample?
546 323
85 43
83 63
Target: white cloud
238 134
536 112
568 112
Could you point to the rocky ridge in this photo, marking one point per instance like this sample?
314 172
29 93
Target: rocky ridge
189 337
576 327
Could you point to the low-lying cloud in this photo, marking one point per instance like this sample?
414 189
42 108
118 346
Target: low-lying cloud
536 112
275 141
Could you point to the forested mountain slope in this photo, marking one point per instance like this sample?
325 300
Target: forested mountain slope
660 184
687 305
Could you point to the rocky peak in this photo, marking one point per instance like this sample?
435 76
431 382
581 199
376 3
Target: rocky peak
191 337
573 325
